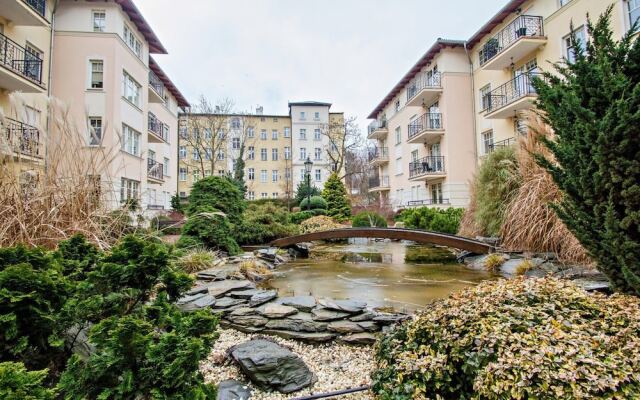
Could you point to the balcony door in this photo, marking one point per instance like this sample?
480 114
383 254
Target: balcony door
33 62
434 116
436 157
522 78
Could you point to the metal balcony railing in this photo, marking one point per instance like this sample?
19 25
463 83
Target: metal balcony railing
426 122
155 169
491 147
379 153
22 138
156 84
523 26
20 60
376 125
426 166
505 94
428 202
38 5
379 182
158 128
430 80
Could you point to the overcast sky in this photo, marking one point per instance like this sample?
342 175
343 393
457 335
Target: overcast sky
268 52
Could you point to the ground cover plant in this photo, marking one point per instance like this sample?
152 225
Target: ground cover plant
432 219
366 219
262 223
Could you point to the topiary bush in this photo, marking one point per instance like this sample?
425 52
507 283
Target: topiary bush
316 202
515 339
303 191
366 219
432 219
219 193
211 228
338 204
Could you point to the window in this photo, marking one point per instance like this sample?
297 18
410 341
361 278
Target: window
182 152
263 154
287 173
397 105
263 176
99 20
251 132
166 171
131 89
399 166
263 134
414 156
97 76
134 44
220 172
398 136
318 153
302 115
303 134
207 133
316 134
207 172
251 174
184 133
235 143
274 175
220 155
318 175
485 97
95 131
196 175
487 140
274 195
287 132
274 134
634 11
303 174
436 193
251 195
303 153
235 123
131 142
221 134
287 153
252 153
195 154
275 119
274 154
165 132
208 153
33 61
182 172
571 50
564 2
316 116
129 190
264 195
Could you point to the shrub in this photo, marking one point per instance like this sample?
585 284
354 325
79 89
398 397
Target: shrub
298 217
303 191
219 193
591 105
176 203
16 383
493 262
276 202
432 219
368 219
515 339
317 202
189 242
319 223
196 260
335 194
212 229
262 223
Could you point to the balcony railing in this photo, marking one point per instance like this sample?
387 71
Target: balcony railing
378 153
517 88
20 60
379 182
376 125
523 26
428 202
22 138
426 122
156 84
423 81
37 5
491 147
430 165
158 128
155 169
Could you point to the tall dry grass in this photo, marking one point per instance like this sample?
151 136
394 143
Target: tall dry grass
39 206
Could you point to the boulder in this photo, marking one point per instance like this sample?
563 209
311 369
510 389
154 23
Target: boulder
350 306
323 314
272 366
268 254
302 303
312 337
359 338
344 327
274 310
233 390
300 322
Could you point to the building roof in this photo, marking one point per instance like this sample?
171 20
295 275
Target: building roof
196 114
143 26
309 103
153 65
511 7
422 62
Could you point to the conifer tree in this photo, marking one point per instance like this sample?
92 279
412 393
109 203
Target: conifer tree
338 205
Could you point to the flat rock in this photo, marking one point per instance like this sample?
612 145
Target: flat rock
227 310
233 390
388 319
302 303
244 294
274 310
220 288
365 316
262 297
225 302
323 314
313 337
344 327
350 306
591 285
203 301
300 322
240 328
359 338
270 365
248 320
369 326
243 311
200 287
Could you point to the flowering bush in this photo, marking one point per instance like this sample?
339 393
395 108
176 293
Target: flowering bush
519 339
318 224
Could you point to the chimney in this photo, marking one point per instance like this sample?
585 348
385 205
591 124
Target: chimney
259 110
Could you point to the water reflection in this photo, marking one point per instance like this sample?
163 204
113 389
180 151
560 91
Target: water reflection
375 272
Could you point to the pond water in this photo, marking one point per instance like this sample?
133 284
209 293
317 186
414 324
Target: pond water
376 272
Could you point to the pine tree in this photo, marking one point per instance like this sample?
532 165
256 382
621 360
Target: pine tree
593 106
303 191
335 194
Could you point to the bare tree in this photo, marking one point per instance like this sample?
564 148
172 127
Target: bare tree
286 184
344 138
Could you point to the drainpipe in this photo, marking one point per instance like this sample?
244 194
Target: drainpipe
473 104
49 80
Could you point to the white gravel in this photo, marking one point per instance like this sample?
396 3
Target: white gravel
336 366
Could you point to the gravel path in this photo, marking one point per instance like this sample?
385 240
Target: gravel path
336 366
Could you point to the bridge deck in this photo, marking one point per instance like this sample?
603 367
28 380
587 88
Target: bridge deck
415 235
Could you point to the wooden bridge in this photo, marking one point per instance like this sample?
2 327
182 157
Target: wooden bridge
415 235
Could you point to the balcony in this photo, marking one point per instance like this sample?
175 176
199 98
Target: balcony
427 128
428 202
158 132
20 69
379 156
430 167
377 130
21 139
155 171
25 12
522 36
379 184
516 95
491 147
424 90
156 89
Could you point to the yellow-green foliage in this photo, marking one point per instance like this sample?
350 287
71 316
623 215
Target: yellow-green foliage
493 262
524 267
515 339
251 268
319 223
197 260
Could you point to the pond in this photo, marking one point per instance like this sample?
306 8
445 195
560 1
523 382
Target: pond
377 272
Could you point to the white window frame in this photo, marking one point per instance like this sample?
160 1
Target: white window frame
274 154
182 174
263 155
131 89
131 140
263 176
95 133
274 175
93 72
99 27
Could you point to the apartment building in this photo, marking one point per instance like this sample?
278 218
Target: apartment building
423 133
275 148
119 97
25 55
